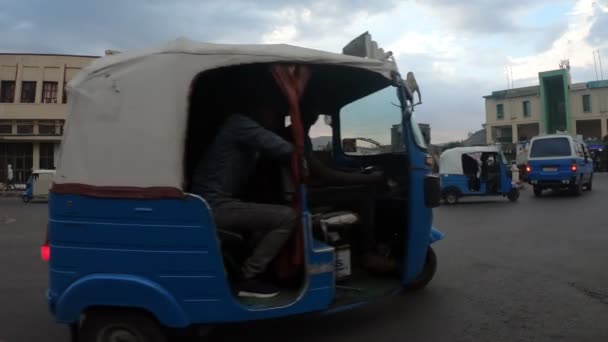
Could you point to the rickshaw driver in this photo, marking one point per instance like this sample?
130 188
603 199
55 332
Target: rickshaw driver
222 173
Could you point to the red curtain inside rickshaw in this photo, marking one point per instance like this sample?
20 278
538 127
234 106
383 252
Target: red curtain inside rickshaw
292 80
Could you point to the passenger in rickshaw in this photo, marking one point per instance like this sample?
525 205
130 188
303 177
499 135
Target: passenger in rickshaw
493 173
220 177
345 191
470 169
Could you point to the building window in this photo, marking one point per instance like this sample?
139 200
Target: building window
7 91
28 92
19 156
47 156
500 111
6 127
49 92
25 127
46 127
527 106
587 103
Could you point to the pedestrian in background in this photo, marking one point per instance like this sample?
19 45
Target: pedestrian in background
10 180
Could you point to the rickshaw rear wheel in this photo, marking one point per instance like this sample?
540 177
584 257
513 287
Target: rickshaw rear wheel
513 195
538 191
427 274
120 326
451 197
25 198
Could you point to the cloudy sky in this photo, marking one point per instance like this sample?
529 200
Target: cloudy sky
458 49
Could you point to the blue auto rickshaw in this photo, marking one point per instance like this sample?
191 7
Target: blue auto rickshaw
475 171
132 252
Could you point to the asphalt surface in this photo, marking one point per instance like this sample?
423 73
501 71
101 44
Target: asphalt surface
535 270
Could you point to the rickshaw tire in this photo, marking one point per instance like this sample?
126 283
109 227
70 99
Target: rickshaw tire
25 199
427 274
449 193
74 329
513 195
589 186
538 191
138 323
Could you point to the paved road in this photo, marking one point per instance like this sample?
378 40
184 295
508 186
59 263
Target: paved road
536 270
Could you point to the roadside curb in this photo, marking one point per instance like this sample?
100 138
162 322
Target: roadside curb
14 194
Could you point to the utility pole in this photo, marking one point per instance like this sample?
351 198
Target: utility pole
595 63
599 58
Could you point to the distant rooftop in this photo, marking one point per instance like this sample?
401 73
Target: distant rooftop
535 90
44 54
515 92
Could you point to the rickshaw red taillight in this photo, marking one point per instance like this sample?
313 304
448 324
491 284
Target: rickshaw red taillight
528 168
573 167
45 249
45 252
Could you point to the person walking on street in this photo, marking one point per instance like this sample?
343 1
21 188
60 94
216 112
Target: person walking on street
10 180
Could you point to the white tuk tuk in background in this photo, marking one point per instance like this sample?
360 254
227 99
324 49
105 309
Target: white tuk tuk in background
38 185
475 171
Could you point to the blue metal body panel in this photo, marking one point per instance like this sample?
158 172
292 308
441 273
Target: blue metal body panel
552 172
420 218
159 255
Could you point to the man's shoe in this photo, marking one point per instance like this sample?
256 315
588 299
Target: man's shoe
255 288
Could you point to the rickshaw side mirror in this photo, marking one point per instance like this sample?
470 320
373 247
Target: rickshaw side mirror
412 86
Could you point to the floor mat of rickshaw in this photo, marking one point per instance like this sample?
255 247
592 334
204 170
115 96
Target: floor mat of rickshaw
363 287
284 298
360 287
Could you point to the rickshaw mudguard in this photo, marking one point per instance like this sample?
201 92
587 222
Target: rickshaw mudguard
116 290
436 235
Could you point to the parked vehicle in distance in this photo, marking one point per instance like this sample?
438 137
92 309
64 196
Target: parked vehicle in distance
559 161
38 185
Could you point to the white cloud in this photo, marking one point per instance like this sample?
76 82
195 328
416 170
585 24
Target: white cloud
572 45
436 44
444 69
281 34
458 50
305 15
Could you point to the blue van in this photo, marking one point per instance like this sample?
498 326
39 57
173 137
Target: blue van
559 161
